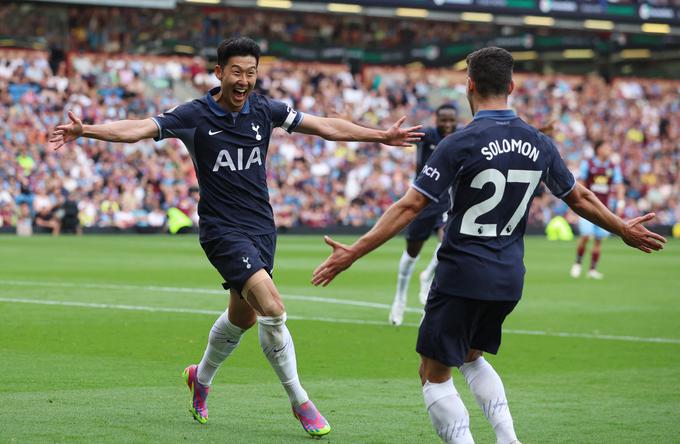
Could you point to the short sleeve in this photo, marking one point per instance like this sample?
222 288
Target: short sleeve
171 122
284 116
558 178
440 170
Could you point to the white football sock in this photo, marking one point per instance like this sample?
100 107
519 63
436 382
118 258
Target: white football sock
406 264
224 338
429 271
488 389
447 412
277 346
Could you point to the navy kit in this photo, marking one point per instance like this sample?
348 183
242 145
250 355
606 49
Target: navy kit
228 150
433 216
493 167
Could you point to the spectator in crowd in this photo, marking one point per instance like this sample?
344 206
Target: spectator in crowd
312 182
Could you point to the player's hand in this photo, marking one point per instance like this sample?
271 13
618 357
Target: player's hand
397 136
637 236
64 134
340 260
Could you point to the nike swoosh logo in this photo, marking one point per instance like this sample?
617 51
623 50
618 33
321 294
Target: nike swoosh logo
279 350
210 132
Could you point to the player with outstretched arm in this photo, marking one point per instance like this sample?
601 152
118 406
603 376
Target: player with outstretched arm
494 165
227 134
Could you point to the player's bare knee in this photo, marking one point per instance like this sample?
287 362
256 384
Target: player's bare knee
473 355
434 371
240 313
421 373
244 320
262 295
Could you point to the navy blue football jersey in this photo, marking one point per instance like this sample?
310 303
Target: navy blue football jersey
493 167
424 150
229 151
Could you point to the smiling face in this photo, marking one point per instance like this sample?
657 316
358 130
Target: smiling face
446 121
237 78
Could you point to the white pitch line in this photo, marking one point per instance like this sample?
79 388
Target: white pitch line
330 320
180 310
292 297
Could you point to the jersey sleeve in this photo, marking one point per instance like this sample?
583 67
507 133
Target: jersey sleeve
174 122
284 116
558 178
440 170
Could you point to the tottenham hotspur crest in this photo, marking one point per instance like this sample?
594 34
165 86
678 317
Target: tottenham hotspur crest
257 131
246 260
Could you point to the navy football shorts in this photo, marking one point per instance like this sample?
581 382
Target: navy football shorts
424 225
237 256
452 326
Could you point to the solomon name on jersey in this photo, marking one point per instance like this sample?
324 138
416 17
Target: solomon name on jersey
493 165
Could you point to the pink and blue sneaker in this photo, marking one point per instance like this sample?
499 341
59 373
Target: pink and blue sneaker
199 394
312 421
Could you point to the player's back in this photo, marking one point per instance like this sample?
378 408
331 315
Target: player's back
494 166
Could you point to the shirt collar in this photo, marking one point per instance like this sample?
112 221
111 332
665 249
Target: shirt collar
496 114
217 109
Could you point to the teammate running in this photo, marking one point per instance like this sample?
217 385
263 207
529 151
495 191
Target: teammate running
430 220
494 165
227 134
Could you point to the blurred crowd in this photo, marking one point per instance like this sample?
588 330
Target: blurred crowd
312 182
149 31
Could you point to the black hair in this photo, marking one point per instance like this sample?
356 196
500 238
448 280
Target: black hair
597 144
446 106
491 70
237 46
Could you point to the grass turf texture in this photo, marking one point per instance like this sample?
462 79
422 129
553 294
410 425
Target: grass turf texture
90 374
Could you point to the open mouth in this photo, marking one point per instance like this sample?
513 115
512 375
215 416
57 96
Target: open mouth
240 94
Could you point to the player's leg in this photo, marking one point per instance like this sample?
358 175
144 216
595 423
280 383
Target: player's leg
585 229
489 392
427 275
594 258
277 345
483 380
406 264
443 343
445 408
224 337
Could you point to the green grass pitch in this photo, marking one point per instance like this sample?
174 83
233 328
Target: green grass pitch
95 332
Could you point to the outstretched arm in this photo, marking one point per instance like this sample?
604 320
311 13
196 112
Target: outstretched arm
331 128
633 233
400 214
122 131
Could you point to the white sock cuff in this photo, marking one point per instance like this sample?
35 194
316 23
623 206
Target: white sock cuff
472 369
433 392
233 329
408 260
272 321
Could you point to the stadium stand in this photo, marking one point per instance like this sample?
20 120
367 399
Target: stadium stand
313 183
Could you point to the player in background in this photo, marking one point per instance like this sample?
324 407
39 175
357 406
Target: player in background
429 221
494 165
601 176
227 134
